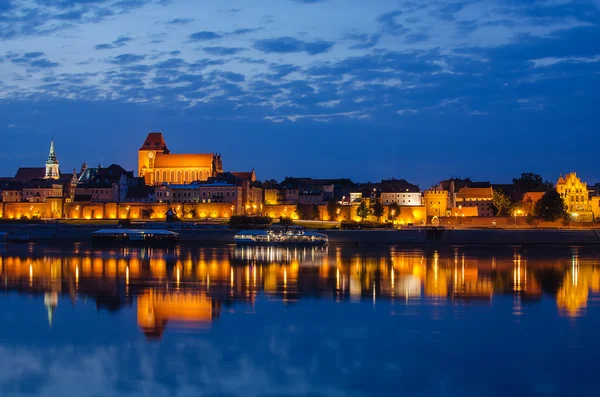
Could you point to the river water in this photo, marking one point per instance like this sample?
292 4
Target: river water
340 321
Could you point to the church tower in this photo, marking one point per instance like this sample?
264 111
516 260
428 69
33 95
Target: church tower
52 171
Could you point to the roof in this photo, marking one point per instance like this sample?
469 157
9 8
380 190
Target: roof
42 184
250 176
29 173
155 141
183 160
475 192
532 196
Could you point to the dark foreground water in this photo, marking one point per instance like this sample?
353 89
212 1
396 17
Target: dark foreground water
223 321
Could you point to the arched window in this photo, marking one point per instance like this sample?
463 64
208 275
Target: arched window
194 175
157 180
164 176
172 176
178 179
186 176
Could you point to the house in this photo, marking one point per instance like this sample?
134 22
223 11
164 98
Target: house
574 193
480 197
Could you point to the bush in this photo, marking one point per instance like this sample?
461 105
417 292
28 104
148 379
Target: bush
349 225
283 221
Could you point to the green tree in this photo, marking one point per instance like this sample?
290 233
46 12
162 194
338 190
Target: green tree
551 206
332 209
363 210
501 202
393 211
300 211
378 210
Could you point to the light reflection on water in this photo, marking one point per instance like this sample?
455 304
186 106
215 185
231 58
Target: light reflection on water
295 321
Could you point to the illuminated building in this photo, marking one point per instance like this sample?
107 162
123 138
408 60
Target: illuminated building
479 197
436 202
52 171
158 165
574 193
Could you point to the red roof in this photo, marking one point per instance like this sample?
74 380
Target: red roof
154 141
29 173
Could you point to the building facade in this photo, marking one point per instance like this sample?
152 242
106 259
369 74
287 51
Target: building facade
436 202
476 197
409 198
156 164
574 193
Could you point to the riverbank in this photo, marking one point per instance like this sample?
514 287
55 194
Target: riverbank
413 236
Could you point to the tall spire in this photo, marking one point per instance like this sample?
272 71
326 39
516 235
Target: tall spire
52 171
52 155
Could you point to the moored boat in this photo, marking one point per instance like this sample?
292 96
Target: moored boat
135 237
279 235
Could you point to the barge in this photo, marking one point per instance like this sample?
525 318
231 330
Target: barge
135 237
279 235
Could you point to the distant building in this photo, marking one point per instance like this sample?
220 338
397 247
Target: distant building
158 165
39 190
436 202
574 192
103 184
480 197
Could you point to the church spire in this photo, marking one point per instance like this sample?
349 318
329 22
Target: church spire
52 155
52 171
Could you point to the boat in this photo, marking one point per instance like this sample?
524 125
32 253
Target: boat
280 235
135 237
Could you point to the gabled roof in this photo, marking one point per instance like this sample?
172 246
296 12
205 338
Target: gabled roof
155 141
248 176
476 192
29 173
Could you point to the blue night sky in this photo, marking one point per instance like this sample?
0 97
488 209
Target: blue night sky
366 89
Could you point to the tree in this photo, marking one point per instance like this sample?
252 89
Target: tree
300 212
530 182
393 211
333 208
363 210
315 212
378 210
551 206
501 202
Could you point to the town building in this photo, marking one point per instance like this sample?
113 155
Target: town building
156 163
574 193
103 184
436 202
39 190
480 197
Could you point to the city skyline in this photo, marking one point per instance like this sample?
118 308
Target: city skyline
484 90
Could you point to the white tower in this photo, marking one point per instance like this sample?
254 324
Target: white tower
52 164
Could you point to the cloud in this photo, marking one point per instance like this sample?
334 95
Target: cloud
551 61
120 42
204 36
389 24
180 21
223 51
43 64
238 32
318 117
125 59
285 45
366 40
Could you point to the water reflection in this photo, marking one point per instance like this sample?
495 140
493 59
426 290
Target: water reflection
187 287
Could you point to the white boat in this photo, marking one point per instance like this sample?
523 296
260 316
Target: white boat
280 235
